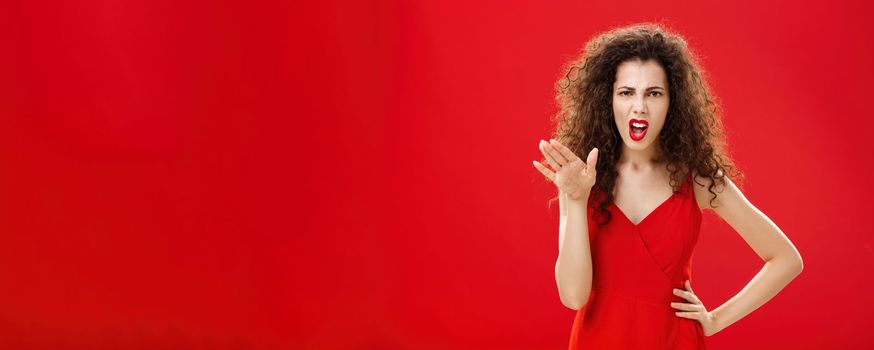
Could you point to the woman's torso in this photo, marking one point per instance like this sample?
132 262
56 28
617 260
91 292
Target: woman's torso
636 265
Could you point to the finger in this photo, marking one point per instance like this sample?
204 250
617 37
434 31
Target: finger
592 159
689 288
545 148
556 155
686 306
691 297
685 295
688 314
564 151
543 170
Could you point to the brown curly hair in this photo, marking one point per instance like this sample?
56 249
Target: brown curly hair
692 137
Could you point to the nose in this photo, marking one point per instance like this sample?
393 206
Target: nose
639 106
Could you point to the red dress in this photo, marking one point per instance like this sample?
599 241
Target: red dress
635 268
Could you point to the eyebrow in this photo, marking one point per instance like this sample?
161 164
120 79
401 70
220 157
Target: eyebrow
649 88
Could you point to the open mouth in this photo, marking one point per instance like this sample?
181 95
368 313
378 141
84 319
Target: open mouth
637 129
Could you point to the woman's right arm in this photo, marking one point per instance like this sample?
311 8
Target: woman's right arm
573 268
574 180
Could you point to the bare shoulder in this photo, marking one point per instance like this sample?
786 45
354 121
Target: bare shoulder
705 198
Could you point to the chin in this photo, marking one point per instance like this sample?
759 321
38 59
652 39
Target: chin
638 145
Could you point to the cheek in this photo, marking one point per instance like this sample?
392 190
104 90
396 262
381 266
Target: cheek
664 109
659 127
618 121
618 113
657 131
663 113
619 106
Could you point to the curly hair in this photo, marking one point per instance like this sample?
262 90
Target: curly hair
692 137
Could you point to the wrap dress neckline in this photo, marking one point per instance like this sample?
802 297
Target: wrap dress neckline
635 268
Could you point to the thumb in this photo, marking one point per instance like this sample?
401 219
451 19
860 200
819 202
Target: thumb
592 159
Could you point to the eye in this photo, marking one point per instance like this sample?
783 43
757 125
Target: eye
622 93
656 92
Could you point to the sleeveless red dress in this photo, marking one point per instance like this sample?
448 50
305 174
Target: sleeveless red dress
634 271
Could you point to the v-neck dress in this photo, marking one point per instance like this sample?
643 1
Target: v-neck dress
635 268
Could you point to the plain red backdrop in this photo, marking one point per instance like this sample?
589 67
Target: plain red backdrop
357 175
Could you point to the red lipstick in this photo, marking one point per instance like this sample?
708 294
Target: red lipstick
637 128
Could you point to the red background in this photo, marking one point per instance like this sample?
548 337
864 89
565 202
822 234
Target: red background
332 175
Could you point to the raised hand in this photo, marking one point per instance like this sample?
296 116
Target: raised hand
569 173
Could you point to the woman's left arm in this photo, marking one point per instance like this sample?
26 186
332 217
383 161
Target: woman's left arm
782 261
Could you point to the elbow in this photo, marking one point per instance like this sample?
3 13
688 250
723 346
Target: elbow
799 265
789 262
575 302
572 304
796 264
793 264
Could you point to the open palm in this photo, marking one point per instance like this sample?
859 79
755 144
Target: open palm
569 173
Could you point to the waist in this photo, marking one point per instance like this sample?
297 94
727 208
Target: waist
656 298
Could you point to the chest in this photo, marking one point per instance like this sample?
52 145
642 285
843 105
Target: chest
637 195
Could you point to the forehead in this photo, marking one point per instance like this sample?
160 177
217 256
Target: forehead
640 73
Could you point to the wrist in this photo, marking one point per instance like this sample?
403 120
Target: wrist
716 321
583 197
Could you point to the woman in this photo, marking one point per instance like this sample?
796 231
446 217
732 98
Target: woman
649 172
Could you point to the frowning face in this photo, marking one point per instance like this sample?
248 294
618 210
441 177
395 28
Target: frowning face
640 102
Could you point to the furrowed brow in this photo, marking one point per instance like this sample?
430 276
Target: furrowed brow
647 89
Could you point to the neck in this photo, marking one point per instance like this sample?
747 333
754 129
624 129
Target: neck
640 159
